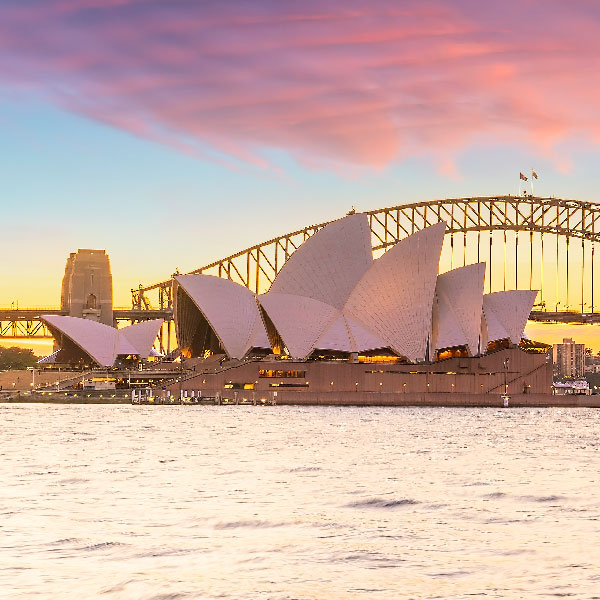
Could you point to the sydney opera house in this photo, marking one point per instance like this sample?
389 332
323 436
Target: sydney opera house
336 320
332 298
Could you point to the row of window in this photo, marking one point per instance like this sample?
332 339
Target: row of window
279 374
250 386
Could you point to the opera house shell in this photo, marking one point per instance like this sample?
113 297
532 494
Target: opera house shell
87 342
333 299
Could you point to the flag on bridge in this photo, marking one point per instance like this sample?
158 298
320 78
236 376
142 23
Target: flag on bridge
521 176
534 174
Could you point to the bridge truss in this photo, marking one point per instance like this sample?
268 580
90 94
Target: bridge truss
548 244
23 324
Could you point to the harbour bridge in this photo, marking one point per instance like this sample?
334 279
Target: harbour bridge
528 242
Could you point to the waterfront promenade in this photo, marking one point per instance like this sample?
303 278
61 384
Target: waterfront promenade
283 398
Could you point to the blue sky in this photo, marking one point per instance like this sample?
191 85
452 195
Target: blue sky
70 182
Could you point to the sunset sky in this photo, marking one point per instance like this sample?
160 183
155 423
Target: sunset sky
174 133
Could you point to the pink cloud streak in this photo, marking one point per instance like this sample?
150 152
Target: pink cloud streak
343 82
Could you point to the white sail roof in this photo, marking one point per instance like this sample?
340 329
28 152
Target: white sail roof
258 335
457 308
346 335
299 320
491 328
97 340
394 297
104 343
327 266
336 336
362 337
139 338
508 311
230 309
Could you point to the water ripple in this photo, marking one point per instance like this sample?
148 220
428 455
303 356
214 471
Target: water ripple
247 524
120 502
382 503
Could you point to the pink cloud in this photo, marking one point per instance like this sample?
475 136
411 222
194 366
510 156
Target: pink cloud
329 82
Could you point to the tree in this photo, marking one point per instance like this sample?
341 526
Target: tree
17 358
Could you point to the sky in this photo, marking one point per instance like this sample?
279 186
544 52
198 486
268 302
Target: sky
175 133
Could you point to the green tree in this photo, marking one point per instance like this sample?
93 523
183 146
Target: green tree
17 358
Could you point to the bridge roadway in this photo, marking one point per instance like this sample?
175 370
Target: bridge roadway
543 316
23 323
119 314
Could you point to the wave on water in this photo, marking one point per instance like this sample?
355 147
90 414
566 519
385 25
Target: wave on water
382 503
304 469
63 542
100 546
551 498
72 480
165 552
248 524
450 574
542 499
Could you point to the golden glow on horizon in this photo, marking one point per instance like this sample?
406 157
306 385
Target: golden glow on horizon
553 333
40 347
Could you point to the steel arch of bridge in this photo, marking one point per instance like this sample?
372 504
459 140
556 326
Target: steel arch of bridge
257 266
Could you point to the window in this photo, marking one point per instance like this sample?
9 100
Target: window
91 302
239 386
280 374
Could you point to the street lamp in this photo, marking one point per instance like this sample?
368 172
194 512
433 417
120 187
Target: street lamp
32 369
506 363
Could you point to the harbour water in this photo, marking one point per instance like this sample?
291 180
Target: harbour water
162 503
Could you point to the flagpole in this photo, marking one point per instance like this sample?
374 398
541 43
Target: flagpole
532 180
522 178
519 193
